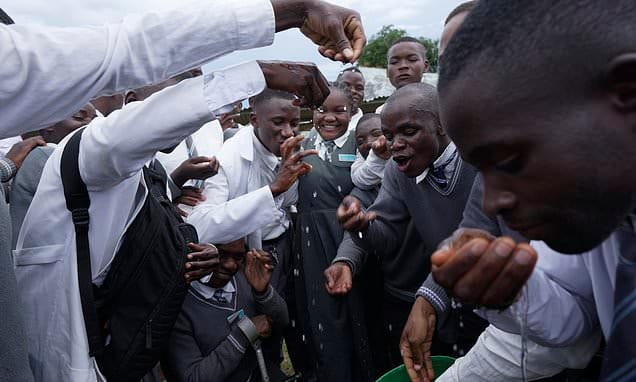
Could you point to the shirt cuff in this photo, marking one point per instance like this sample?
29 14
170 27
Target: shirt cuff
222 88
7 169
435 295
255 23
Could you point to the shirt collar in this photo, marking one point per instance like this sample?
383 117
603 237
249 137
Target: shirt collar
264 154
340 141
207 292
446 154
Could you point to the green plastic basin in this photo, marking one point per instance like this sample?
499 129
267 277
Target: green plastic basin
440 364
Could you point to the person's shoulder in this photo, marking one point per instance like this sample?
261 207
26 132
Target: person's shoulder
36 159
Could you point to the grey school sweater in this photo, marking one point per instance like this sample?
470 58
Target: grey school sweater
436 214
203 346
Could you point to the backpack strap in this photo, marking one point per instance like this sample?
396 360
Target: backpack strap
78 202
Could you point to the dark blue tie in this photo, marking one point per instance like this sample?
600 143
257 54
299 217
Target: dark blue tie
438 174
219 296
620 353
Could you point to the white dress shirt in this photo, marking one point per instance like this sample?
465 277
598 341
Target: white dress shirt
322 148
47 73
112 153
368 173
355 119
208 141
7 143
239 202
448 153
496 357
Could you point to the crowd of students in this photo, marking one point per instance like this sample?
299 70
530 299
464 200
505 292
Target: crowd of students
147 236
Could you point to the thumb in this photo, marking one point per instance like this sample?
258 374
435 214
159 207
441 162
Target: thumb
199 159
342 42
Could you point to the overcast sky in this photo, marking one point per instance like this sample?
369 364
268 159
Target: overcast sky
417 17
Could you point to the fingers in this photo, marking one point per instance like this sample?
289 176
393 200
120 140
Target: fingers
297 157
463 260
199 159
181 212
349 207
474 282
202 251
290 145
512 278
188 201
408 359
355 32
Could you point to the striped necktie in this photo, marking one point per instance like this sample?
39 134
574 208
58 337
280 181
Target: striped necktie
620 354
438 174
330 147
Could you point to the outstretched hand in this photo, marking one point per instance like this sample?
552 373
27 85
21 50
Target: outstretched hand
258 269
336 30
302 79
381 148
338 279
477 268
416 341
195 168
292 166
351 216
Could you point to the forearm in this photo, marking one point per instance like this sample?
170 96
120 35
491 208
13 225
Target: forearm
115 148
222 221
366 174
272 304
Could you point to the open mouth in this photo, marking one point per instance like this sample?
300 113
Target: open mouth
403 162
404 77
330 128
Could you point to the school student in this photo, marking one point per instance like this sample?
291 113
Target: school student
224 317
353 78
582 203
427 184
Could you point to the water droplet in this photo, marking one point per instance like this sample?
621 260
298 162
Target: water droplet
298 256
461 352
322 347
293 323
308 243
453 304
360 235
459 304
461 324
390 328
315 194
304 339
307 229
320 328
339 189
455 347
313 301
296 272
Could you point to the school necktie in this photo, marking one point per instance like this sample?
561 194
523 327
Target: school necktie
620 353
438 173
330 146
219 296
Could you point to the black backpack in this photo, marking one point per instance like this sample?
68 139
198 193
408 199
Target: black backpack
129 318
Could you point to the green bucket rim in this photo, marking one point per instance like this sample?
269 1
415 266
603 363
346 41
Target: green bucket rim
440 364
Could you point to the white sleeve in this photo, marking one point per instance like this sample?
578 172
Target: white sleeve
48 73
117 147
220 220
497 357
368 173
560 288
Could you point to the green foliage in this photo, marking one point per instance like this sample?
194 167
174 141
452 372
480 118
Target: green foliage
374 54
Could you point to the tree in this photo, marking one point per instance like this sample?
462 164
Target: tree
374 54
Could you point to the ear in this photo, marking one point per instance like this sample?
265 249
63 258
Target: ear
130 96
254 120
621 76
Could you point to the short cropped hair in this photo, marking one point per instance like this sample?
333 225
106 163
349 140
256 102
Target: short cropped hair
367 117
422 96
352 69
572 40
421 46
270 94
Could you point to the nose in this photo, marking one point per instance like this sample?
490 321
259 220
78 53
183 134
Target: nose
495 200
396 145
287 132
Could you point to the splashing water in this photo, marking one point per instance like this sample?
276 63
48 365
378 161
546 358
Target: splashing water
520 311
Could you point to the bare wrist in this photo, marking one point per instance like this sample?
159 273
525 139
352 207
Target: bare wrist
290 13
